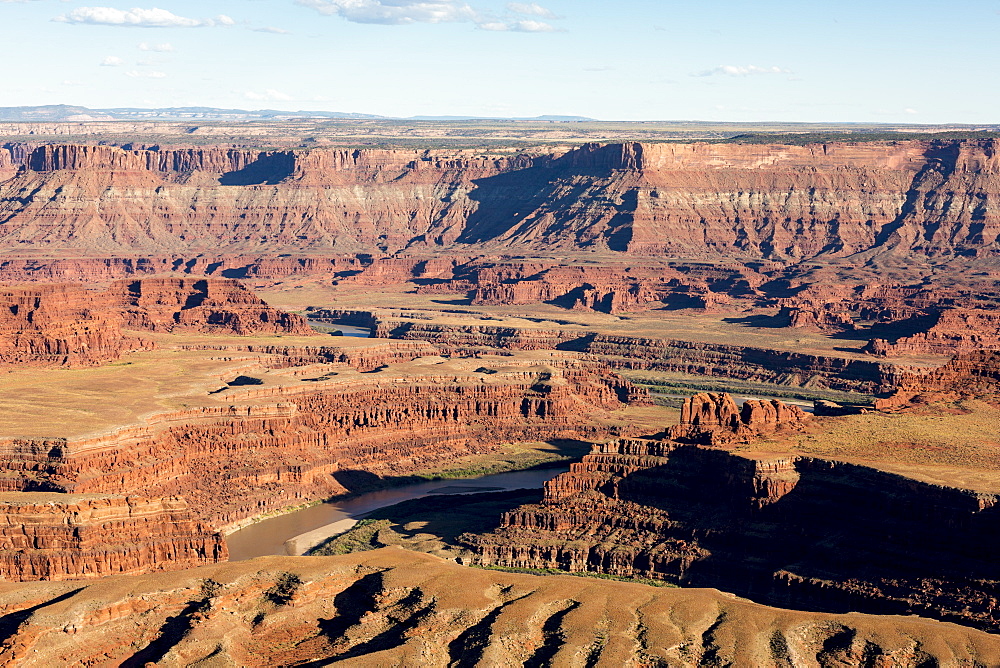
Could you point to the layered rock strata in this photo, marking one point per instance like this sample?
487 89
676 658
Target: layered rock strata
67 325
752 201
60 325
712 418
946 332
274 447
393 607
656 354
46 536
786 530
212 305
967 376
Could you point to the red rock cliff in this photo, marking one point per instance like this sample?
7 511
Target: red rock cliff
276 447
60 325
793 531
45 536
749 201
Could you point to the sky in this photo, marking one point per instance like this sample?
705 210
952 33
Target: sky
712 60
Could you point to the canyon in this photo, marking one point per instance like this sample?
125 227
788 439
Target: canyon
168 376
235 428
809 532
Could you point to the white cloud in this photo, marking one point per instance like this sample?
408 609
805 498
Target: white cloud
403 12
531 9
908 110
740 71
269 95
273 30
146 74
166 47
394 12
138 18
112 61
518 26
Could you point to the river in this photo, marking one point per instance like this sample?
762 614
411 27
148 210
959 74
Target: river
346 330
269 536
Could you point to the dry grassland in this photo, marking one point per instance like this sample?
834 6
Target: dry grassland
73 403
954 445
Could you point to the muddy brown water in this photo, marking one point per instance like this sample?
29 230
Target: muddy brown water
268 536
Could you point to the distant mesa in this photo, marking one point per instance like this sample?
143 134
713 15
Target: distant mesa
66 112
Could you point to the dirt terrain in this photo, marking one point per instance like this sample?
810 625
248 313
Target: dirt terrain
394 607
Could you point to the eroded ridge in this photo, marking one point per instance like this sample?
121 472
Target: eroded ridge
56 324
397 607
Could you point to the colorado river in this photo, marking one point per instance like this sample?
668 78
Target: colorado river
269 536
346 330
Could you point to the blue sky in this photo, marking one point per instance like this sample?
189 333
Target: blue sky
874 61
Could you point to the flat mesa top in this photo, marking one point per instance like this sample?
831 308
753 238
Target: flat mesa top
949 446
193 371
73 403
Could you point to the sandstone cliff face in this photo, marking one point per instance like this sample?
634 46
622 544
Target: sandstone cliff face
394 607
67 325
714 419
69 536
277 447
60 325
793 531
213 305
750 202
967 376
947 331
105 198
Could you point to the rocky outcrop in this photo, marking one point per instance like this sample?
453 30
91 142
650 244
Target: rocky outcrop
714 419
610 288
395 607
273 447
947 331
46 536
60 325
966 376
67 325
209 305
794 531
